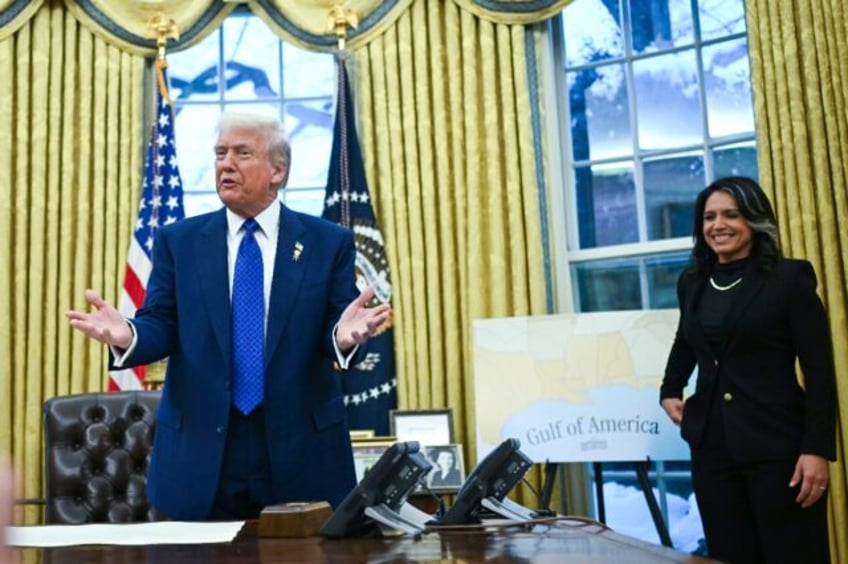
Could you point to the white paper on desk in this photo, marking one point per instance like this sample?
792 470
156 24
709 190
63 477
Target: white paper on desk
162 532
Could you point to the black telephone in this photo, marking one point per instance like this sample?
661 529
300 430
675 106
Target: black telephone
488 485
380 497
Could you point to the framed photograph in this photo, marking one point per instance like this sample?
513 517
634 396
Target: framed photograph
428 427
367 452
448 471
362 434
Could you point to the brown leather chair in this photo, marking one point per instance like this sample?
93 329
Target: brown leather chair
97 451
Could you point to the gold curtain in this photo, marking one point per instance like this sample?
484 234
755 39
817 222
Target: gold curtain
800 84
124 24
513 11
70 163
447 130
305 22
308 23
16 13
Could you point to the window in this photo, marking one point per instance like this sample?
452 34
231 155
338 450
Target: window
244 66
656 96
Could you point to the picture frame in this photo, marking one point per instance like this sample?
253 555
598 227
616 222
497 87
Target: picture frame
362 434
448 473
427 426
367 452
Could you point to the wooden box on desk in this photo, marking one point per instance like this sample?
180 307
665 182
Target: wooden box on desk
293 520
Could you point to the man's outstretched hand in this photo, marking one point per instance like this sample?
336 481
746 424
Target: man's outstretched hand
104 324
359 322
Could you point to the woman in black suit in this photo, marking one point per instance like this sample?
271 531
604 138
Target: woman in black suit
759 441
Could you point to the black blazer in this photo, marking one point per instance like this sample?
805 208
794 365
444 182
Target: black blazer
775 318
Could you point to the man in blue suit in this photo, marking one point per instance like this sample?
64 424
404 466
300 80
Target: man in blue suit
216 455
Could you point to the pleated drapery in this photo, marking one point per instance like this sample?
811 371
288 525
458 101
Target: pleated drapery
800 85
447 133
70 167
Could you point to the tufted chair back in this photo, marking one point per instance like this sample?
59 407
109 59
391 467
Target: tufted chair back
97 450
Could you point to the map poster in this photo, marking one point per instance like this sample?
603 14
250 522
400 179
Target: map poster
576 387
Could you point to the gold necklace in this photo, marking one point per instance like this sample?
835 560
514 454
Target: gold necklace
724 288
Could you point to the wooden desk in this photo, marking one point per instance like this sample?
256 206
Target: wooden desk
574 540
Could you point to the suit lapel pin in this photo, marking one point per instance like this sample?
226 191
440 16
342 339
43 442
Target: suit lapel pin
298 248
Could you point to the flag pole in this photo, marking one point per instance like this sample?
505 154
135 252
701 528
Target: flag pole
369 387
162 29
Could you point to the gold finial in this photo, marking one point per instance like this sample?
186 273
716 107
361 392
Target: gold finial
163 28
338 21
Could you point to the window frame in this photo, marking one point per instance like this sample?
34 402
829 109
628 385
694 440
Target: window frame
564 216
292 192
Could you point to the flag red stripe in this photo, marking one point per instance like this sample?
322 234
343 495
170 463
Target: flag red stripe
140 372
134 288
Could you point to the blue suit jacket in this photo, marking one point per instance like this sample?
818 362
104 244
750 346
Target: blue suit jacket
186 317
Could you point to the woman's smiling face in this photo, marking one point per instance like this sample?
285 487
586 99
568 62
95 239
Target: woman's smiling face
726 230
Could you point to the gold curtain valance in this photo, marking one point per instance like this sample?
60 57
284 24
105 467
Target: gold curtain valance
124 24
305 22
15 13
512 12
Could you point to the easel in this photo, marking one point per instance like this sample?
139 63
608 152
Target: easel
641 469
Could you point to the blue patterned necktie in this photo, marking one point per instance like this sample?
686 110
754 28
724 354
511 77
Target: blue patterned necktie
248 323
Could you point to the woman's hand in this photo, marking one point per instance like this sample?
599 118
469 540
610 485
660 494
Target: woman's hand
674 408
811 472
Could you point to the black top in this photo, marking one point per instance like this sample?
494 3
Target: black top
715 304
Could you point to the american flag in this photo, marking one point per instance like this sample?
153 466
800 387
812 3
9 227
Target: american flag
161 203
370 387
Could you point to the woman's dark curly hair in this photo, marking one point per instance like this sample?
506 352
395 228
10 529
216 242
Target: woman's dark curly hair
754 207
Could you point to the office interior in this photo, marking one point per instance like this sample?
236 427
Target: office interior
466 126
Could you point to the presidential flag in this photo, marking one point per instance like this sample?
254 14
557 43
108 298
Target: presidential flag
370 387
161 203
